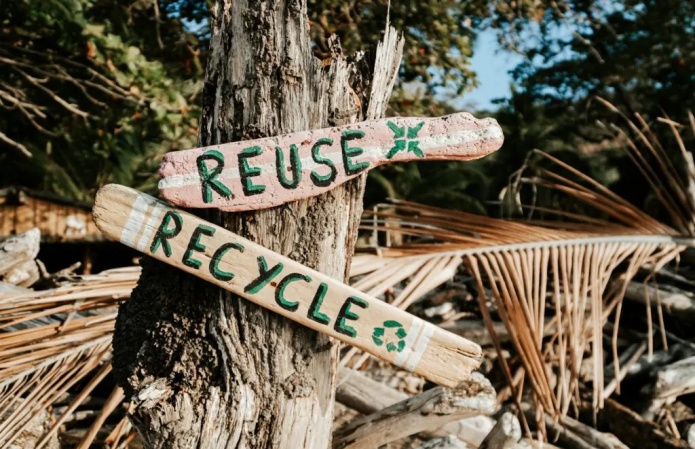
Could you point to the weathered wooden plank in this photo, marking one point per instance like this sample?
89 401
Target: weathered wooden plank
368 396
262 173
505 435
428 410
283 286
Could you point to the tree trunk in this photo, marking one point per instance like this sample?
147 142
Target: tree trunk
206 369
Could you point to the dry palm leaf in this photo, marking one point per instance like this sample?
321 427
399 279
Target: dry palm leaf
544 277
539 276
53 341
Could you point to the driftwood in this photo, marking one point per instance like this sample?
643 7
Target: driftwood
505 435
635 431
428 410
452 442
572 434
368 396
670 382
447 442
646 363
599 440
33 432
676 303
628 359
674 380
11 289
689 436
17 254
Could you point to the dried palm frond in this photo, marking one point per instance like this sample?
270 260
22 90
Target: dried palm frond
674 188
546 277
541 277
53 341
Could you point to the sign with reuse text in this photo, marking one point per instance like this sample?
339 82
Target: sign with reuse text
257 174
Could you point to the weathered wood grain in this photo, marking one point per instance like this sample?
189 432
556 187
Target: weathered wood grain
262 173
368 396
284 286
428 410
505 435
188 340
17 254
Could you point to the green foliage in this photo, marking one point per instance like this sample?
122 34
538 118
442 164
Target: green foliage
95 91
439 44
439 35
638 55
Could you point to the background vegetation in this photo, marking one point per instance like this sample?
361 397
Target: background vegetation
96 91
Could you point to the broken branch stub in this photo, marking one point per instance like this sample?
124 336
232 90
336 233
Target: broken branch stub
428 410
262 173
283 286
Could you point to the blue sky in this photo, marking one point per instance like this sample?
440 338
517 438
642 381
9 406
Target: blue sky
492 64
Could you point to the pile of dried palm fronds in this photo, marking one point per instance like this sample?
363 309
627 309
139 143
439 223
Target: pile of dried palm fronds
551 282
551 290
53 343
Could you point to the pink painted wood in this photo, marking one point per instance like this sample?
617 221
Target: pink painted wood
262 173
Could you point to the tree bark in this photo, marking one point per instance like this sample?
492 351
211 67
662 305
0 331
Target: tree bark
206 369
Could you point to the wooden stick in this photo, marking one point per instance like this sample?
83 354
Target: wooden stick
368 396
671 381
599 440
447 442
284 286
17 254
690 436
505 434
267 172
680 304
428 410
634 431
675 379
574 434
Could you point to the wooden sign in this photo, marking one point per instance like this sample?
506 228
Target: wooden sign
283 286
257 174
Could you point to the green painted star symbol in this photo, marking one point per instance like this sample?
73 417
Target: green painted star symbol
393 344
403 142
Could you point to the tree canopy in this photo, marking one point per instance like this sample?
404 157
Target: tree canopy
96 91
92 92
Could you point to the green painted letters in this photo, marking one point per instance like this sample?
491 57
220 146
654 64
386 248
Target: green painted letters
346 313
328 178
164 233
247 172
315 307
265 276
349 152
195 245
215 260
208 183
295 164
280 291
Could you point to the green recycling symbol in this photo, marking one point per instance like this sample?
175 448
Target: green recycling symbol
393 344
403 142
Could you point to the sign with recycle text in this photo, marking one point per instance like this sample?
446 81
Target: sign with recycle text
267 172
